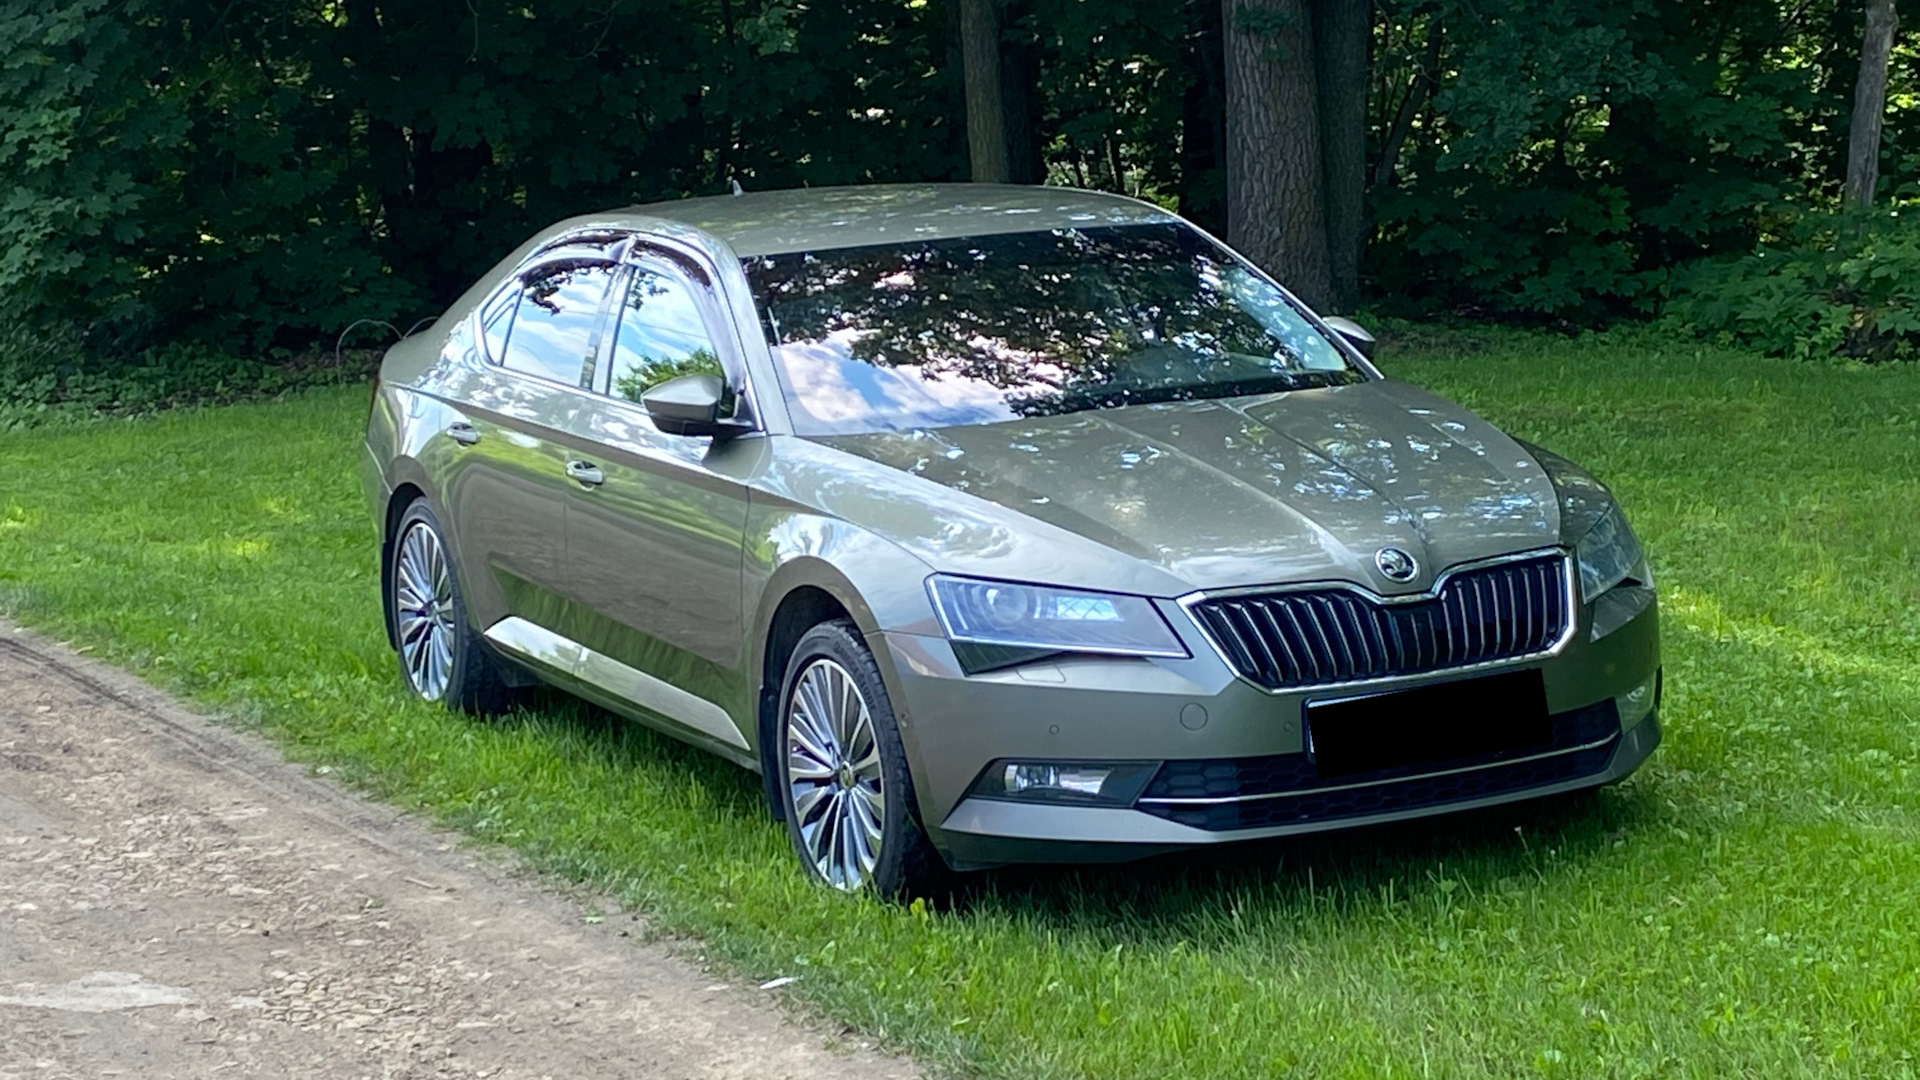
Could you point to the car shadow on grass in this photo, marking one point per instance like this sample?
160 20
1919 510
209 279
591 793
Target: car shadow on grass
1491 849
1181 896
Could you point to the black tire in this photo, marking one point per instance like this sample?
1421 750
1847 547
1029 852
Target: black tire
906 866
473 680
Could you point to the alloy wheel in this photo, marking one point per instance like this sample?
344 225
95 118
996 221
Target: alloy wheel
833 775
423 611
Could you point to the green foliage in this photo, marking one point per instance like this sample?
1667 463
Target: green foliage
633 383
1830 285
246 175
48 379
71 188
1743 907
1575 151
168 183
1111 80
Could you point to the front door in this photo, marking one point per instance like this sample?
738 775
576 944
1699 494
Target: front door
654 542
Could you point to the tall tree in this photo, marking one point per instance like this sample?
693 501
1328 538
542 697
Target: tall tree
987 146
1203 120
1341 31
1869 104
1020 66
1276 205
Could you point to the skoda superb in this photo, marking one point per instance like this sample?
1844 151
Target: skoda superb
995 524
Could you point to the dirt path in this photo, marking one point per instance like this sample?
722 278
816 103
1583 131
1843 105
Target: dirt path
175 901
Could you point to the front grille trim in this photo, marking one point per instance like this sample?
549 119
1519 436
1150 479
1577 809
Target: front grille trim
1262 796
1326 594
1261 792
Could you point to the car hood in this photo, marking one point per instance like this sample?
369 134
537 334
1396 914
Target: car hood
1301 486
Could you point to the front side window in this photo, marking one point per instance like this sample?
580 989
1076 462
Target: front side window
941 333
552 334
661 334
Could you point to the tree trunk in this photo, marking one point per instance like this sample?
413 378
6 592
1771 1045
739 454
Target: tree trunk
387 177
1869 104
1342 30
1276 210
986 107
1203 122
1020 90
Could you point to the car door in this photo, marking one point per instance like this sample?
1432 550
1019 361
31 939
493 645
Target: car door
507 494
654 541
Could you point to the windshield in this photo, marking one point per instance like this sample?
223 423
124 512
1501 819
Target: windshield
942 333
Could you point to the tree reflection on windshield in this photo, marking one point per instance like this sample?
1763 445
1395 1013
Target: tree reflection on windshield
981 329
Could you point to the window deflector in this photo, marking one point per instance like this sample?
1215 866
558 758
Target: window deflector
699 280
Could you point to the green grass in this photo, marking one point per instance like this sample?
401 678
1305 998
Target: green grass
1748 905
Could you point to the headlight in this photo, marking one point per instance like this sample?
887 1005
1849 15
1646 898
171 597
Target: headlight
1608 554
1593 523
1039 619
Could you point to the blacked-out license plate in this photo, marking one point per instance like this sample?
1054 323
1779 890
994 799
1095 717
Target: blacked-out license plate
1448 722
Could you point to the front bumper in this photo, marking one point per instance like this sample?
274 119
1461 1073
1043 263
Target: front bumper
1200 719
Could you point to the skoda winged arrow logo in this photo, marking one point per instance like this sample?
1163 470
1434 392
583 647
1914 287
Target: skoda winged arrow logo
1396 565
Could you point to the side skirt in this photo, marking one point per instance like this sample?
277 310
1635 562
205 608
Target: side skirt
626 690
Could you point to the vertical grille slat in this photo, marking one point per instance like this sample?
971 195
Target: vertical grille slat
1496 619
1284 656
1374 622
1526 603
1516 637
1262 652
1397 660
1322 637
1325 616
1497 607
1298 633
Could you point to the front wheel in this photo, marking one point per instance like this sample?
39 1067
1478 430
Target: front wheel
847 794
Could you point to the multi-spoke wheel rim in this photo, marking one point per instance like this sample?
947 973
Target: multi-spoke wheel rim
423 611
833 775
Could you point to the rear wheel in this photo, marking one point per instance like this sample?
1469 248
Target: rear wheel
844 785
443 659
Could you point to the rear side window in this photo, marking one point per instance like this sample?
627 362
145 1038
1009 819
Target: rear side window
661 335
495 320
553 327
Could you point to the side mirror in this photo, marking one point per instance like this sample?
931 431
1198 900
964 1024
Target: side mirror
1355 334
691 405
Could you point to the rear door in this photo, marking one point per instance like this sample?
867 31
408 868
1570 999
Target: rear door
654 546
508 496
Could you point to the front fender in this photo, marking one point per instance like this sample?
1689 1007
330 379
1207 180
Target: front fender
880 585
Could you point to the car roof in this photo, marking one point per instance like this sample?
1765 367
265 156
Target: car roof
816 219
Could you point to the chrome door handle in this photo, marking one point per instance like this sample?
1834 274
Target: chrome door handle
463 433
585 473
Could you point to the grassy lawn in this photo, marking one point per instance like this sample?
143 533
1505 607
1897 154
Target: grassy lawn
1748 905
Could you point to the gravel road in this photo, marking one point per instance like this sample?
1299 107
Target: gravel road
176 901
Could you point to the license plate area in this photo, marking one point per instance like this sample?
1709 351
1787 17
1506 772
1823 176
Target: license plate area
1491 716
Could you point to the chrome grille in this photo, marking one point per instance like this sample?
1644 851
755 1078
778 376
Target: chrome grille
1322 637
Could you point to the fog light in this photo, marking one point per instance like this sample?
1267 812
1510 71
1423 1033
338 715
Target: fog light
1636 703
1099 783
1069 780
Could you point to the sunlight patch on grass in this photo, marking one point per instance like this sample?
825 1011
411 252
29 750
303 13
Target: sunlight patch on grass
1701 612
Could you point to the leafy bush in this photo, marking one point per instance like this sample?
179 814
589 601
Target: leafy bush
49 378
251 174
1830 285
